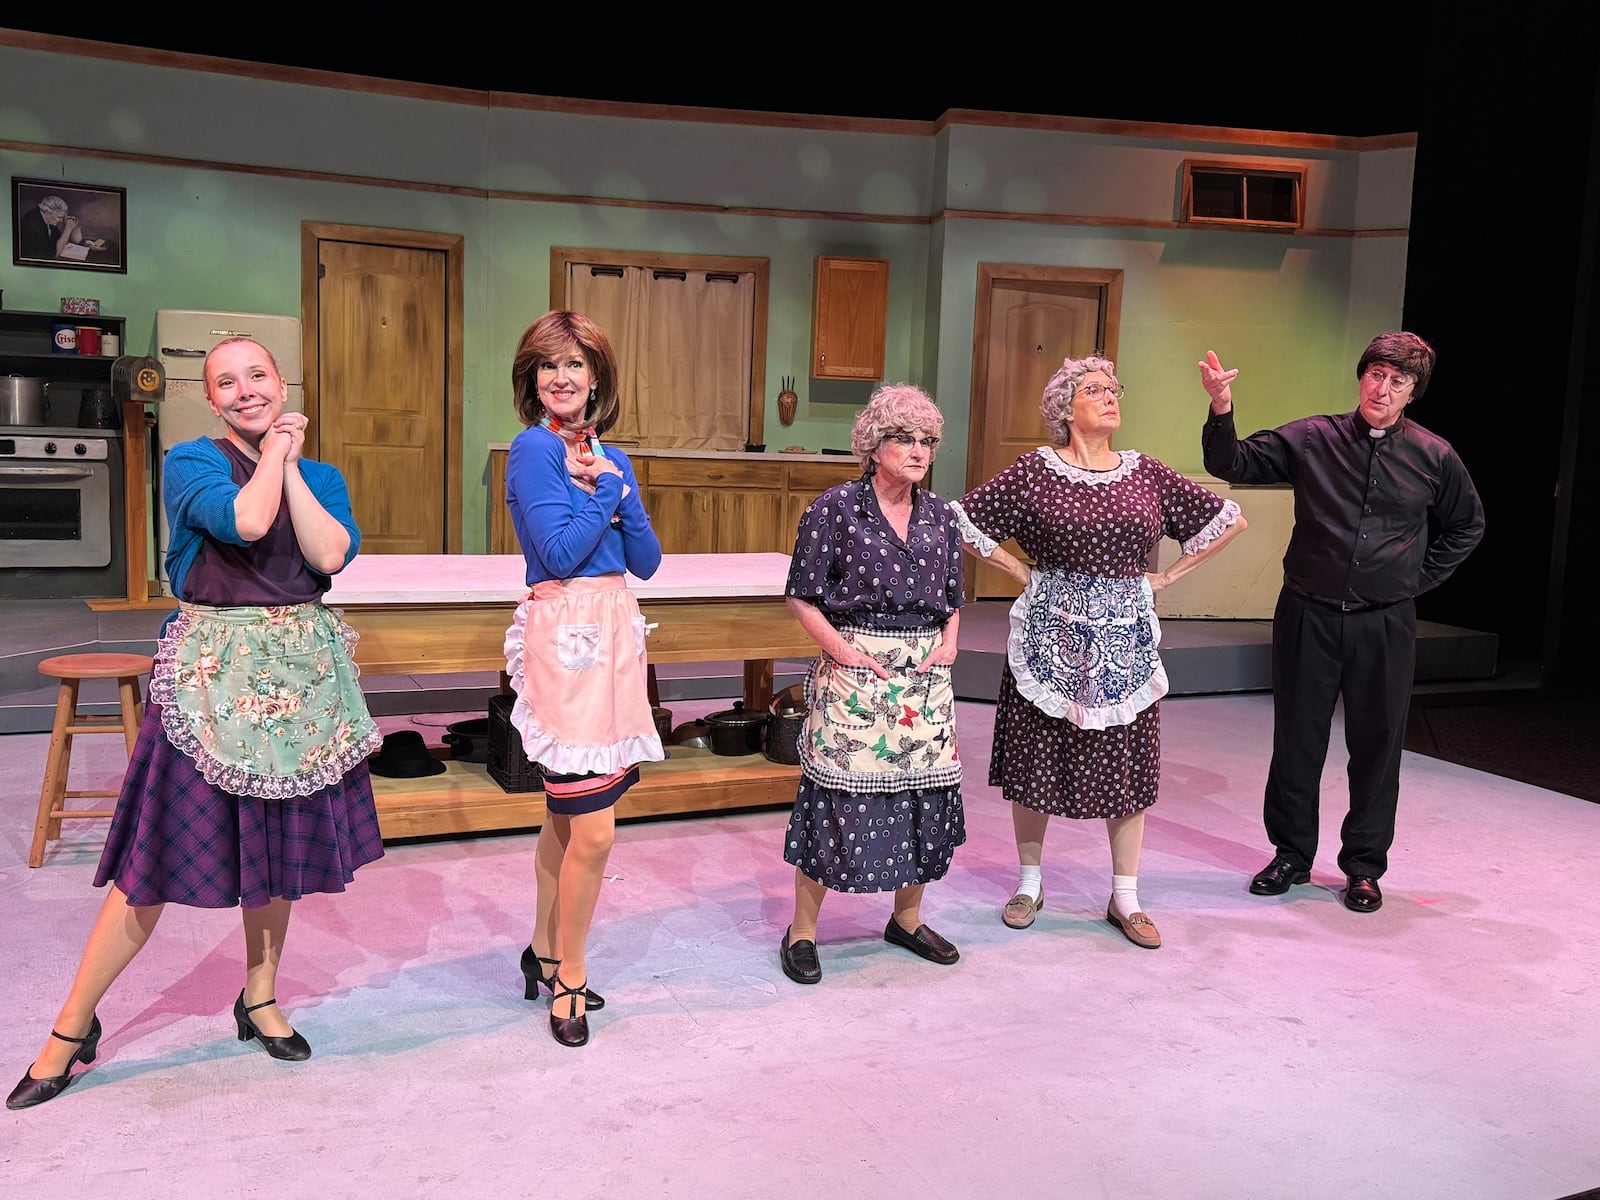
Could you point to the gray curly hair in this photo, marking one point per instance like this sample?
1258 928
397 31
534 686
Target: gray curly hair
1055 406
893 408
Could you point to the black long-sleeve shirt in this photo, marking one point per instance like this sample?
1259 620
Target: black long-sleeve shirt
1376 519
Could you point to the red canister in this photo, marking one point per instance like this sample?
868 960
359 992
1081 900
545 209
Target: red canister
88 339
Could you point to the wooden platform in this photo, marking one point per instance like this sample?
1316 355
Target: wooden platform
465 799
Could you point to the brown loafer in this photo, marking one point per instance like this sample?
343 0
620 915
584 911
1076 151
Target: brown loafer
1020 910
1138 929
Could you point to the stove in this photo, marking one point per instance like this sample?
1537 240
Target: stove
61 512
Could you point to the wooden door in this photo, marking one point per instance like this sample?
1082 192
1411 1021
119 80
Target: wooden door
1028 320
383 380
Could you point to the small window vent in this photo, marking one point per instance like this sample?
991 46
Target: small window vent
1246 195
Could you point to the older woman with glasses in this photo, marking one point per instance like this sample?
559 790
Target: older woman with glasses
1077 730
876 580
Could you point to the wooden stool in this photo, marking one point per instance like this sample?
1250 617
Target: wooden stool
71 670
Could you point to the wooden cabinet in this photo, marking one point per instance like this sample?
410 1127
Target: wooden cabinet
851 318
705 505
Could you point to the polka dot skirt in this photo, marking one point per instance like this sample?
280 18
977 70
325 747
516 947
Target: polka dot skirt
873 841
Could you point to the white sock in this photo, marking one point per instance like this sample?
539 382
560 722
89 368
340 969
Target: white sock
1125 894
1031 883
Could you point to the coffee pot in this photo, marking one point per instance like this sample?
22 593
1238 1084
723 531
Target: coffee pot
97 410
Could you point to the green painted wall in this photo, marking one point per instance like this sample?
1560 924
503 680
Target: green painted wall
202 234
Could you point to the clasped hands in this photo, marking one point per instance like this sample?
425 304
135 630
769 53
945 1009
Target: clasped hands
586 470
287 435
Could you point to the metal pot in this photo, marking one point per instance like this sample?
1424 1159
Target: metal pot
24 400
788 725
696 734
736 730
468 740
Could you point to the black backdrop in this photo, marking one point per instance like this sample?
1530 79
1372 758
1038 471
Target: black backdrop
1501 278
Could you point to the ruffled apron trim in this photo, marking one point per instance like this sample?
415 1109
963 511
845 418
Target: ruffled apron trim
272 736
1110 672
554 754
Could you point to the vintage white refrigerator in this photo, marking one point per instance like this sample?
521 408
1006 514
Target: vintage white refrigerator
183 339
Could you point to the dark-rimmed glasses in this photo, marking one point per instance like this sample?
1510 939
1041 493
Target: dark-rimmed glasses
930 443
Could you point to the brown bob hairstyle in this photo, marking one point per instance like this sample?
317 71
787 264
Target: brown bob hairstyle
1403 352
549 339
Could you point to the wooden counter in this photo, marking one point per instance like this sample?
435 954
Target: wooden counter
423 614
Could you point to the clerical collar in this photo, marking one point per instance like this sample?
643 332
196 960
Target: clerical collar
1372 430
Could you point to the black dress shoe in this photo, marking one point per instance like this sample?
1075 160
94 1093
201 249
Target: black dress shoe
799 959
924 941
293 1048
1362 894
30 1091
533 975
1278 876
568 1030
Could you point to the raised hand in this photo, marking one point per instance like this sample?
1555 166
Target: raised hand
1217 382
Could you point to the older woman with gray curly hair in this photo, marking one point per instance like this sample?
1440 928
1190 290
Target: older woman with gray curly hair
876 580
1077 728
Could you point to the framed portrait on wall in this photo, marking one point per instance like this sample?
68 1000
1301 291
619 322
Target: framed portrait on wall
71 226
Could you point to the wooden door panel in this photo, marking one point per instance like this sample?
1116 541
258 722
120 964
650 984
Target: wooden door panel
748 523
682 518
382 389
1032 327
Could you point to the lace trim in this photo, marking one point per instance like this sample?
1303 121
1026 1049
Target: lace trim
236 780
560 758
1228 516
1052 459
970 533
1051 702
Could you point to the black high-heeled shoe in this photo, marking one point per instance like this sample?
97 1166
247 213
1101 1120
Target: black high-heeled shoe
534 975
569 1030
293 1048
31 1091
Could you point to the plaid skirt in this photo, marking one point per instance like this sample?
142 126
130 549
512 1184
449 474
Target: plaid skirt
176 839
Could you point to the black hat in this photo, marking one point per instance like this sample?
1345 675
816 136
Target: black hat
404 755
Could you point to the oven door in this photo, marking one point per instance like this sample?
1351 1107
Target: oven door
55 514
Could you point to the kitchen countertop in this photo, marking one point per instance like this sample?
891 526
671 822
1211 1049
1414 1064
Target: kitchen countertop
764 456
498 578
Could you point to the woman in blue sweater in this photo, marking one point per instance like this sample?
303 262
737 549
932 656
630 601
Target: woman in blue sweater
248 785
575 650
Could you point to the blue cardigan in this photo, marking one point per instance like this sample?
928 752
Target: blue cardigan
566 532
198 491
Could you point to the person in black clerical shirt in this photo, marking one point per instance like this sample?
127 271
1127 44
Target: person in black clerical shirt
1384 510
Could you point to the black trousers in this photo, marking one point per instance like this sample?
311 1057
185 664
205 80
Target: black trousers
1320 655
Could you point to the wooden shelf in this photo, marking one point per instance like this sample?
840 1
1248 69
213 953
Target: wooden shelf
465 799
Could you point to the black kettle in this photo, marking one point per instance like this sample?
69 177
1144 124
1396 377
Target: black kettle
97 410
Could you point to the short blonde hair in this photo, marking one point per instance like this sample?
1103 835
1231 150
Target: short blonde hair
893 408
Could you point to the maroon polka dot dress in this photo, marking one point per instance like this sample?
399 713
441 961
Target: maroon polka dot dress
1096 523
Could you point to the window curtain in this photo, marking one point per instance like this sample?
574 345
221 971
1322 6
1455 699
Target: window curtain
682 340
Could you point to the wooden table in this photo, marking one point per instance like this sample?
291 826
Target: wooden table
427 614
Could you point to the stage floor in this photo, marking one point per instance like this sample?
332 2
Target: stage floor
1271 1048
